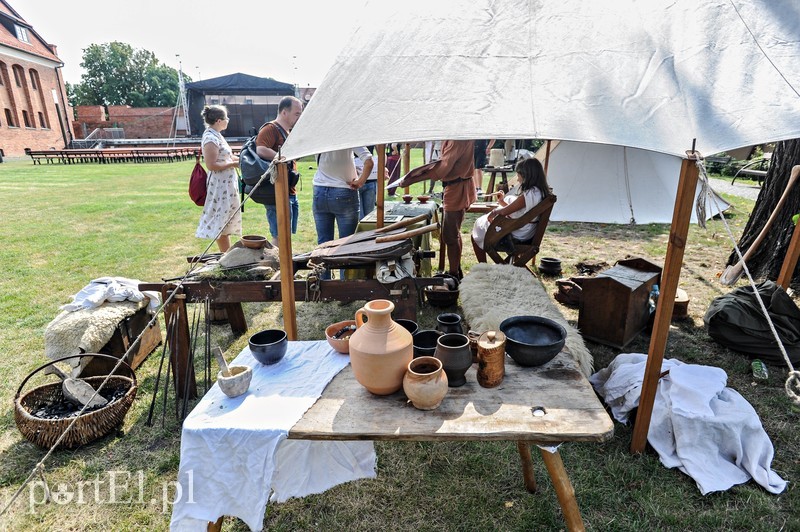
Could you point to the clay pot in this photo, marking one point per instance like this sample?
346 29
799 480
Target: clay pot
380 349
449 322
491 358
409 325
425 383
425 342
453 350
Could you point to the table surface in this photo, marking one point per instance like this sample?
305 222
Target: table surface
572 412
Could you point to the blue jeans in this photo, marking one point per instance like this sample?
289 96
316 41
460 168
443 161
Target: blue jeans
339 205
368 193
272 216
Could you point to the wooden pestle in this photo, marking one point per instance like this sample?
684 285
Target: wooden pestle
223 366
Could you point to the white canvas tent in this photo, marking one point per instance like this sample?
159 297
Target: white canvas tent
654 75
614 184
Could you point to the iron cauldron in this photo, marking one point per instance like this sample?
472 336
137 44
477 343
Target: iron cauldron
533 340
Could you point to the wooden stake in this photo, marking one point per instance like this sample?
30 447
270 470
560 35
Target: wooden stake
681 215
381 184
285 251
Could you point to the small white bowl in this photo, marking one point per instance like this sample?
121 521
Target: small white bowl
237 383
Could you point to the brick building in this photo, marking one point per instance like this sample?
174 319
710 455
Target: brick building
34 111
137 122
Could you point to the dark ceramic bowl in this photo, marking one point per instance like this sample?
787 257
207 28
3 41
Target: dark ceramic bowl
409 325
269 346
533 340
550 266
425 342
441 298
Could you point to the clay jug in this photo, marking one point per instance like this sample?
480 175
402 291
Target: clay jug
380 349
453 350
425 383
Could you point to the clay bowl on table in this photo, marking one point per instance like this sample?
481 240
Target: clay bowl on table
341 344
254 241
268 346
533 340
423 199
407 198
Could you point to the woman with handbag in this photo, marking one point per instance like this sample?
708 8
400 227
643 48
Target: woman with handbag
221 214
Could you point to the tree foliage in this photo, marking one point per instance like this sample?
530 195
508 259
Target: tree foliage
118 74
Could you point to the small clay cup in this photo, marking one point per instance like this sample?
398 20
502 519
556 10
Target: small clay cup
453 350
425 383
269 346
407 198
409 325
449 322
425 342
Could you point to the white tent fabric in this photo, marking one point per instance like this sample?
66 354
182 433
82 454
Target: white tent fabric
614 184
652 74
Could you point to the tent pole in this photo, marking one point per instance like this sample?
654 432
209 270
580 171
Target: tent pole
681 215
547 157
285 251
790 261
406 161
379 199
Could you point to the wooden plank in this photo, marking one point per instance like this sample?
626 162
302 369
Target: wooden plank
572 412
681 215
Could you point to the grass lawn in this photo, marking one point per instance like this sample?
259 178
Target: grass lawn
64 225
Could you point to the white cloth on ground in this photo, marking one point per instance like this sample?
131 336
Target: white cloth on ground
705 429
112 289
234 451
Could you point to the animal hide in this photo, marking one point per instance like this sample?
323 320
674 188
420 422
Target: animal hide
491 293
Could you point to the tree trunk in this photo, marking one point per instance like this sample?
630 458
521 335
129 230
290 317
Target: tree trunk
768 258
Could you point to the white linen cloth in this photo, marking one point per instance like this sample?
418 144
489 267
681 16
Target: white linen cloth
112 289
234 451
705 429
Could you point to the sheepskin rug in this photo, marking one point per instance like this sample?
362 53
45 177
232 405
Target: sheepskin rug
86 330
491 293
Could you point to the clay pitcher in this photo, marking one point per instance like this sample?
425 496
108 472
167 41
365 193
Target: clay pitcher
425 383
491 358
380 349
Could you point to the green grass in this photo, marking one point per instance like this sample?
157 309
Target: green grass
65 225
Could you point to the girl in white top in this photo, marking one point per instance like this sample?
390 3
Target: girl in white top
533 187
221 215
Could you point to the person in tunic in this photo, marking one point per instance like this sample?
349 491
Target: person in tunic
532 188
221 214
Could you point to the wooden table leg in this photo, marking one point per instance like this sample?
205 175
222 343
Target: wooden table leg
179 342
527 465
490 188
236 318
216 526
564 490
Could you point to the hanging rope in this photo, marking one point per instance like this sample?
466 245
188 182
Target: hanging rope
793 380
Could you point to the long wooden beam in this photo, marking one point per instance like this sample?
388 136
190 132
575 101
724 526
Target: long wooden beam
285 251
681 216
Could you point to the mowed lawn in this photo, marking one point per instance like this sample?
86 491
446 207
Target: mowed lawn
64 225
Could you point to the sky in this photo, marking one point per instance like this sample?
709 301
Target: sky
290 42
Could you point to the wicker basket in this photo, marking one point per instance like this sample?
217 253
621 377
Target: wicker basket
88 427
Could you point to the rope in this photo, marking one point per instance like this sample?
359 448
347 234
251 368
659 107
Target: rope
39 467
793 378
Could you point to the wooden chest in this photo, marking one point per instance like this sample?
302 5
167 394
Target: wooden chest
127 331
614 306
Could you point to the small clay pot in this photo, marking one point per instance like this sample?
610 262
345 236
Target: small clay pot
407 198
449 322
425 383
425 342
409 325
453 350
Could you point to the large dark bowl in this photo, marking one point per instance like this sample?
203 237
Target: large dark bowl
533 340
425 342
269 346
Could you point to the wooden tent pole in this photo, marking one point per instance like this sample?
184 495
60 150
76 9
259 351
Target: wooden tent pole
380 198
547 157
681 216
792 254
285 251
406 161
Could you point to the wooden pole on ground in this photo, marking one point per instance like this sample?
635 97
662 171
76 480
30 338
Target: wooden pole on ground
285 251
406 161
681 215
380 198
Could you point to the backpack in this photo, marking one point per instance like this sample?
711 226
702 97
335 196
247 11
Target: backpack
198 184
251 165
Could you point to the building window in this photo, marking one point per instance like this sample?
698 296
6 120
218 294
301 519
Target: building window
18 75
34 85
22 34
10 118
214 101
42 123
25 118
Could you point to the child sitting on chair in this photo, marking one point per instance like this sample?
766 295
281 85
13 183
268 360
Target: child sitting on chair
533 188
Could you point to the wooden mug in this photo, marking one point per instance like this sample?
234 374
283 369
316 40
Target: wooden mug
491 358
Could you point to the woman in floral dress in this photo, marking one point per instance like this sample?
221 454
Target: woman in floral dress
221 215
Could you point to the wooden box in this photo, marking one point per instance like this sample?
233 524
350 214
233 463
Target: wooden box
614 306
127 331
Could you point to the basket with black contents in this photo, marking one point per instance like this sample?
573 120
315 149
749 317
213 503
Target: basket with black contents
43 413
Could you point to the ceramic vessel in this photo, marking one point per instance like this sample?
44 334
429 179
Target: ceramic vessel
380 349
425 383
425 342
453 350
449 322
237 382
409 325
342 343
269 346
491 358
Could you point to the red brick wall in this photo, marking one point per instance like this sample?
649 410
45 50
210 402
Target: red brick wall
34 96
138 122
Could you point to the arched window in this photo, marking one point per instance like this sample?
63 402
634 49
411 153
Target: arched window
42 123
34 79
19 75
25 118
10 118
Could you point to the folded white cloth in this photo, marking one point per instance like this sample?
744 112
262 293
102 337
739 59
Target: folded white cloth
112 289
234 451
708 431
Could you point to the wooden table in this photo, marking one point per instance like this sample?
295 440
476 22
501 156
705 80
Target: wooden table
546 405
503 171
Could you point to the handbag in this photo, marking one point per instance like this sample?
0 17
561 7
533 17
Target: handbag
198 184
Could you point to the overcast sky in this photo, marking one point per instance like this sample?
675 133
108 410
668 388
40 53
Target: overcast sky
293 42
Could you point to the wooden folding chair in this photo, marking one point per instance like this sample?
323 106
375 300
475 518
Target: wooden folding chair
516 252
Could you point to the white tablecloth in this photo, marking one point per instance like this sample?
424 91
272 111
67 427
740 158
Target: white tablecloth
234 452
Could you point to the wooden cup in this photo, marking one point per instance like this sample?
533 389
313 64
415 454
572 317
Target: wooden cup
491 358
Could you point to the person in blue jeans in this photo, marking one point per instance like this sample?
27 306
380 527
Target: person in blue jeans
368 193
336 200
